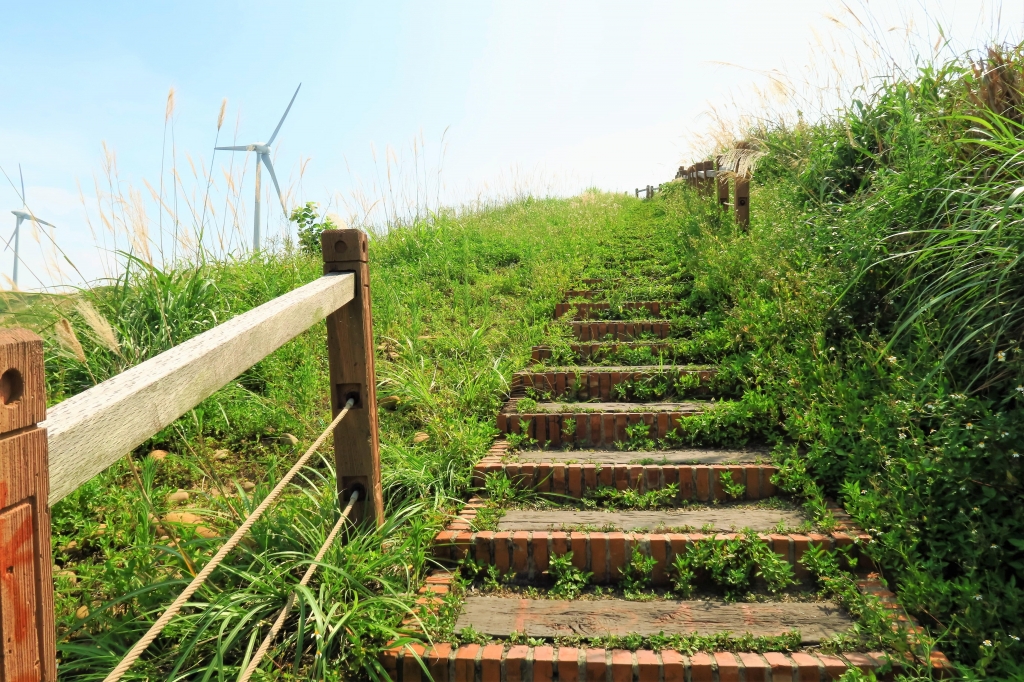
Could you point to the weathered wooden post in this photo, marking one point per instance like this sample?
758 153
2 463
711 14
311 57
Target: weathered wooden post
350 357
743 201
27 632
723 186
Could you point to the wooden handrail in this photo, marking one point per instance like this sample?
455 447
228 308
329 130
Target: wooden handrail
92 430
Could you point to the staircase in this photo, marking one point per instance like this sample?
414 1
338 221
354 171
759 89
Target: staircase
586 470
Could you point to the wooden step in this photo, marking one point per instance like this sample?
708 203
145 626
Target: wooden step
731 518
587 311
586 383
501 661
578 472
620 331
550 618
525 554
594 429
597 351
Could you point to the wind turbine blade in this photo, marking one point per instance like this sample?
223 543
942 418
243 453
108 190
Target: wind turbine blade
266 162
244 148
42 222
281 123
22 175
7 244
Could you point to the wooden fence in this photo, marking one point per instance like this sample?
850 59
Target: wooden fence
708 174
43 458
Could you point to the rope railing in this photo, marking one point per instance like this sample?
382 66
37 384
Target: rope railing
310 570
197 582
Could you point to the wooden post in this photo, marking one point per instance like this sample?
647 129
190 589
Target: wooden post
350 356
27 633
723 187
743 201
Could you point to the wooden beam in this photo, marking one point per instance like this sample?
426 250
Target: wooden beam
723 187
350 355
743 202
92 430
28 652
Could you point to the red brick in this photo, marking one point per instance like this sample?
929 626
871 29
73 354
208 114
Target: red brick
728 668
436 658
544 477
389 659
672 666
465 662
568 664
555 425
767 487
648 665
621 476
540 426
716 481
607 430
559 543
635 476
558 478
483 547
703 483
659 551
596 429
622 666
575 480
662 425
529 471
515 664
807 667
520 551
412 667
860 661
606 476
578 542
596 665
753 482
617 552
598 560
834 667
754 668
652 477
620 427
589 477
800 545
780 543
543 665
539 544
502 558
490 662
685 483
700 668
782 667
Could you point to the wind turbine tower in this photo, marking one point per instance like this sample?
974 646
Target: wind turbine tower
262 150
22 215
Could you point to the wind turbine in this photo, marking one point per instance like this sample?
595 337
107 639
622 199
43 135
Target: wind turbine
22 215
262 150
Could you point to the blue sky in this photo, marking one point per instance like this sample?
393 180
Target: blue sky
550 96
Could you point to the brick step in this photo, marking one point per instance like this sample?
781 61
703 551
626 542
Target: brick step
586 311
592 429
585 293
596 351
525 553
620 331
697 482
586 383
502 661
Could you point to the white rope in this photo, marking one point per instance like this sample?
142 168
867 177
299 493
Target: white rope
232 542
279 623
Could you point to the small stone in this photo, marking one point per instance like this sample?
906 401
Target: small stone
158 455
101 529
289 438
82 613
71 545
183 517
164 537
69 576
221 455
248 486
388 402
420 437
175 498
208 533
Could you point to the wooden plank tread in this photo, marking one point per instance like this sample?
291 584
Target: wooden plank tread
656 457
722 519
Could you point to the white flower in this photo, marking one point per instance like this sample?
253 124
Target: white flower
891 359
981 445
1015 638
986 643
994 547
863 492
963 488
977 597
970 426
1015 455
1020 389
1001 356
903 436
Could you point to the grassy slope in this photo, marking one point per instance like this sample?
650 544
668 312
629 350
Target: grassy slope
457 305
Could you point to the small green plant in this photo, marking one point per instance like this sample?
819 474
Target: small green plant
613 498
731 566
636 575
310 227
569 580
568 426
526 405
735 490
639 437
